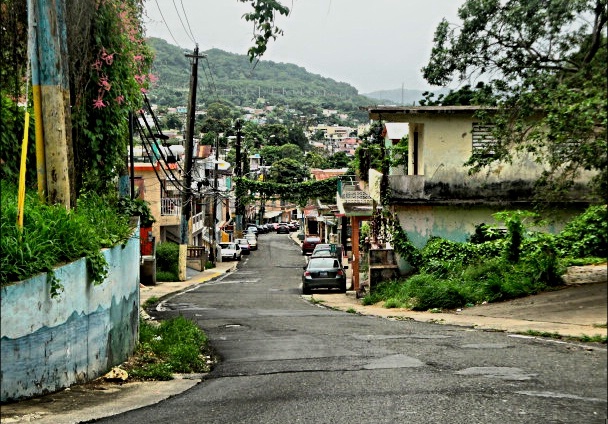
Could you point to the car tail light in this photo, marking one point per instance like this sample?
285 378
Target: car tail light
340 272
306 273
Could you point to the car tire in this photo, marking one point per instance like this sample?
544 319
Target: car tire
343 288
305 290
234 257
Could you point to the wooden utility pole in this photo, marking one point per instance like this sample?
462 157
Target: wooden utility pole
52 75
187 194
239 173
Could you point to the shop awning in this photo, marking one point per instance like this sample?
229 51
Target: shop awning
271 214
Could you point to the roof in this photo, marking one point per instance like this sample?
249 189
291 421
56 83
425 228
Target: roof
323 174
386 112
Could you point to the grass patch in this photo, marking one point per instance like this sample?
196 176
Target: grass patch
176 345
315 301
53 235
150 301
351 311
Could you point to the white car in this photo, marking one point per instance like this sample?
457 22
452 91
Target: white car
231 251
253 240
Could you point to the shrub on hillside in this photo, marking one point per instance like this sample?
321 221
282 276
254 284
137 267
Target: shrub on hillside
167 261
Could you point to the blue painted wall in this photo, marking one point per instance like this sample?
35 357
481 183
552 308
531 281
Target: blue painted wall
48 344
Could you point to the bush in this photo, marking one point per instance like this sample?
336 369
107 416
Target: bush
53 235
166 276
167 260
177 345
586 235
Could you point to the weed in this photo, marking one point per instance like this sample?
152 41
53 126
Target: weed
315 301
351 311
177 345
150 301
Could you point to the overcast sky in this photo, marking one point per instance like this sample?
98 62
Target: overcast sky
369 44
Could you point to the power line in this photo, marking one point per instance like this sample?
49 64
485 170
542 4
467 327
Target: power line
182 22
165 22
188 22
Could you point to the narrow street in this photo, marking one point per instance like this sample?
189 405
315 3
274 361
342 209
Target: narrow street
285 360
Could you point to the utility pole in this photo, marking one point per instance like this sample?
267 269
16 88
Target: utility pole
51 86
239 174
187 194
215 194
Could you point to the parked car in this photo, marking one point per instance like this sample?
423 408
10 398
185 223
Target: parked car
230 251
252 230
251 227
324 273
309 243
283 229
262 229
245 245
253 240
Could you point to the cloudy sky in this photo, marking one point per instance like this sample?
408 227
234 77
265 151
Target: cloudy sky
370 44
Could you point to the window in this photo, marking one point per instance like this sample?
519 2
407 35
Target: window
484 142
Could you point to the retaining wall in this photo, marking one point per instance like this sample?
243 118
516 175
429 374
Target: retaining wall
48 344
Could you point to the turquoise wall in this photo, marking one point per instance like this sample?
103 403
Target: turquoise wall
48 344
457 223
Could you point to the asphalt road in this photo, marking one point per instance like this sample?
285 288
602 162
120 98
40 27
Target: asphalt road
285 360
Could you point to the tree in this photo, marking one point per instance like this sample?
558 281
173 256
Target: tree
172 121
339 160
480 95
546 62
288 171
316 160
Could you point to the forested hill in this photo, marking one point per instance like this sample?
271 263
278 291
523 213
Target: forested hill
231 77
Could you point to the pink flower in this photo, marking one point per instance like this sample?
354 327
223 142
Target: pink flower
98 103
152 77
109 59
97 65
103 82
140 79
138 58
143 90
120 99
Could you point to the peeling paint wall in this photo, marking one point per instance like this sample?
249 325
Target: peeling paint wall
51 343
457 223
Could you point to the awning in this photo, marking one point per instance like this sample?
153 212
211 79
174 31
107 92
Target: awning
271 214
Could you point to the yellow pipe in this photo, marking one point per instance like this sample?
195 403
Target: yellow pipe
21 193
40 158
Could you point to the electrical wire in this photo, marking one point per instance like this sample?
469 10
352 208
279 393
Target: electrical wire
165 22
189 35
188 22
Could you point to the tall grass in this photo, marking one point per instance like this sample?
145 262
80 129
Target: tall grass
452 274
53 235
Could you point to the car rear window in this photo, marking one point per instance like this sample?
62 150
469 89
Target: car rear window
313 240
323 263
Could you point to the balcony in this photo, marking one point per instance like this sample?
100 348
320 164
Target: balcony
351 200
171 206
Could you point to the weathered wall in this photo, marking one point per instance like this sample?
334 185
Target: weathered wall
457 223
51 343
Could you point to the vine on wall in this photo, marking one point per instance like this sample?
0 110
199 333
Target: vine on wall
298 193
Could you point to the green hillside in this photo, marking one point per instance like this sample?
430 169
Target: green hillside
231 77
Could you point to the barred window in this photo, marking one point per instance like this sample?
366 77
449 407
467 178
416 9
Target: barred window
484 142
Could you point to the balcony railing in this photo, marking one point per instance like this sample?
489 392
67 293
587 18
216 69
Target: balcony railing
171 206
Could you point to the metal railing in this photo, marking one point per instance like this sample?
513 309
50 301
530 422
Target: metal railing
171 206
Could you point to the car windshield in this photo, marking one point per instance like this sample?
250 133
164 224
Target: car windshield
227 245
321 263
